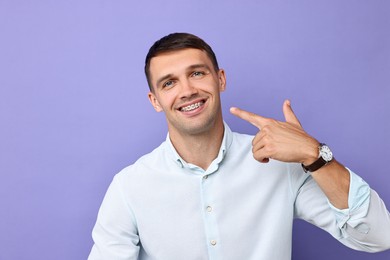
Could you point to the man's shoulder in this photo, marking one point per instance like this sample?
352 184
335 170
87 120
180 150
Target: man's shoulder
147 162
242 135
242 138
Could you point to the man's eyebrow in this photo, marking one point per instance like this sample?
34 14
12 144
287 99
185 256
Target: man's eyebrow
163 78
198 66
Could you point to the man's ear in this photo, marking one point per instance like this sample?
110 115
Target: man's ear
153 100
222 80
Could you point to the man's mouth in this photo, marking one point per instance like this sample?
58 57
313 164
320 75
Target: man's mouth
192 106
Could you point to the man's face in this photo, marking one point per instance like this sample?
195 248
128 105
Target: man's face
187 88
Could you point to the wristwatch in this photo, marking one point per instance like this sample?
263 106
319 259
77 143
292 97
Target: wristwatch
325 157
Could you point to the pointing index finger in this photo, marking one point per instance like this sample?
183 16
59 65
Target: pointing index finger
250 117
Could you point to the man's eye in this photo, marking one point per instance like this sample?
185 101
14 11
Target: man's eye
198 73
167 84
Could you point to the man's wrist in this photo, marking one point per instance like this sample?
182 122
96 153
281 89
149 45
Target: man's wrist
313 155
325 156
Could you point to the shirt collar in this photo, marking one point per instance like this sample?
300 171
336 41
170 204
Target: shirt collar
226 142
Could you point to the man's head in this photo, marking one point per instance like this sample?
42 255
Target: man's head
185 84
175 42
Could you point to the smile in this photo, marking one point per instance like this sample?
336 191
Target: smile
192 107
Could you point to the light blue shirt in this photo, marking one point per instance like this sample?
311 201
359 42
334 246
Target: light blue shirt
164 208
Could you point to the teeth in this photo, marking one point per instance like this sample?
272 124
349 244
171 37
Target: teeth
191 107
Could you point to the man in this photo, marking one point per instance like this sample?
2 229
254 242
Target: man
209 193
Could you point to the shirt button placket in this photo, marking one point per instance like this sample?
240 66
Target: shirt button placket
209 217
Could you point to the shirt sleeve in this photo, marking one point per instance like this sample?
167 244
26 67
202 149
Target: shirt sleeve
358 201
359 227
115 233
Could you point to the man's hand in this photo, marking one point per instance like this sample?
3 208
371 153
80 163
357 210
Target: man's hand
282 141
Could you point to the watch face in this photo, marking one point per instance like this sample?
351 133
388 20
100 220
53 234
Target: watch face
326 153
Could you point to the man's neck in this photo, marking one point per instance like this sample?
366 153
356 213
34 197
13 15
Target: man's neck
201 149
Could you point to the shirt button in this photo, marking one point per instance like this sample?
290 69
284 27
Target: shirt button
209 208
213 242
205 177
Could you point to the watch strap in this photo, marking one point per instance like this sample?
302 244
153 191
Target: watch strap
315 166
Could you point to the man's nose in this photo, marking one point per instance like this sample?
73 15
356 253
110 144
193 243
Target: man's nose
187 89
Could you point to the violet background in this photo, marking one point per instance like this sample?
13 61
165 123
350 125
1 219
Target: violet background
74 108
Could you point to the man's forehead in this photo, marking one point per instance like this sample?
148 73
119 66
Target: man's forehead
172 61
184 56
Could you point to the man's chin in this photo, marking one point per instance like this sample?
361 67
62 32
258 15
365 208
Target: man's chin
195 128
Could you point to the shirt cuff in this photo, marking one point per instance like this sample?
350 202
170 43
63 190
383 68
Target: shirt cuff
358 200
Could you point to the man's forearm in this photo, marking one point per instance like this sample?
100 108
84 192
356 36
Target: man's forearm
334 180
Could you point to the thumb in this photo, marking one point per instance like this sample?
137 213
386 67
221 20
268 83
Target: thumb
289 114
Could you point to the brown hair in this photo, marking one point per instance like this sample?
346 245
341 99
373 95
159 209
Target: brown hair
177 41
